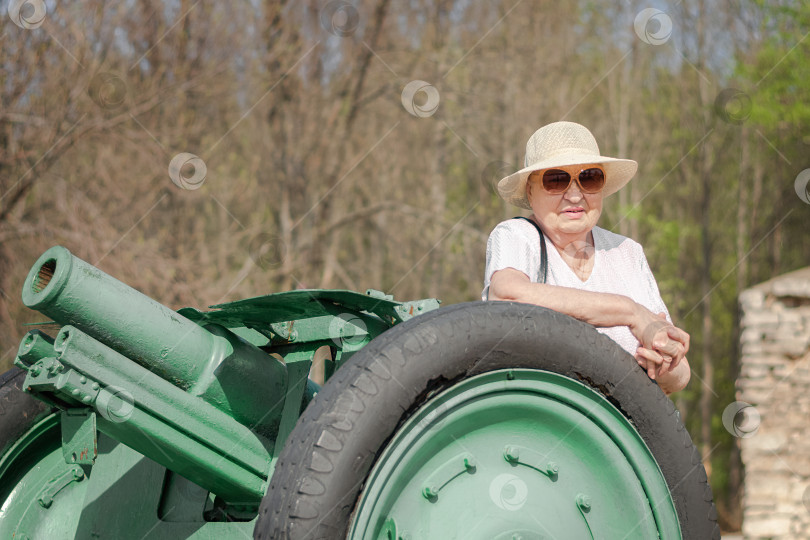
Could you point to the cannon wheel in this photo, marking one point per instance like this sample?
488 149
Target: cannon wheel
489 420
36 485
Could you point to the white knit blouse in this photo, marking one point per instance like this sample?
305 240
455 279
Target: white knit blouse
620 267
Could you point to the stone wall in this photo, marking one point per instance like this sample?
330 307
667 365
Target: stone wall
772 418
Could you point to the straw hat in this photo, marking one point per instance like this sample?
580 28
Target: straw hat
558 145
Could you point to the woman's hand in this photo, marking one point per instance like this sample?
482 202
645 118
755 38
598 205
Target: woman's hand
652 362
663 345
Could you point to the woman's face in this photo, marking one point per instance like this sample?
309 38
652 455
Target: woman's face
569 214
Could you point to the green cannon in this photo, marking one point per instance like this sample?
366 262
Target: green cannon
331 414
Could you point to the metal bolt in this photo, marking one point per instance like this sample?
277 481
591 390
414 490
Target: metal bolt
469 463
584 502
511 454
54 367
429 492
552 468
35 371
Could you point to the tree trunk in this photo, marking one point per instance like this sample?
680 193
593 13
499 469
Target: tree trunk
706 178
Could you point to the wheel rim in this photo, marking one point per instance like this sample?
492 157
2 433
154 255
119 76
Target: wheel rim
41 495
516 452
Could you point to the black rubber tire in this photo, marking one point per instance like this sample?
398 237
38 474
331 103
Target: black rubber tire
320 472
19 412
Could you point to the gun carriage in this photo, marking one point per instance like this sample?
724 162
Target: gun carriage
479 420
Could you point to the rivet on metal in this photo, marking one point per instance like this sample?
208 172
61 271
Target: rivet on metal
390 529
510 375
83 379
469 463
584 502
552 468
511 454
429 492
94 386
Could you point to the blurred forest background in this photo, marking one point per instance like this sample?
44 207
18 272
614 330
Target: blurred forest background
312 173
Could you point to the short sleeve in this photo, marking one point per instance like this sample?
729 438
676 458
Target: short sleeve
512 244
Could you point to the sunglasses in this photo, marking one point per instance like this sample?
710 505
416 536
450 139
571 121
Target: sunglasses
557 181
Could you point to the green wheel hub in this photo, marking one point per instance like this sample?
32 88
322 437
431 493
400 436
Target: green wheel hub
516 454
43 495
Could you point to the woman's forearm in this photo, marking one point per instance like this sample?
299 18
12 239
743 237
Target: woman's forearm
596 308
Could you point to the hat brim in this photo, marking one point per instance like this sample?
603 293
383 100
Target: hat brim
617 173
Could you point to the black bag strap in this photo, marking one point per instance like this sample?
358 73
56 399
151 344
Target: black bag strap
543 254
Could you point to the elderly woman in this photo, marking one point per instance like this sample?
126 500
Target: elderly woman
558 258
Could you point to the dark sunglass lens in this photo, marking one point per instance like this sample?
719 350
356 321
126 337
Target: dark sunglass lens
592 180
556 181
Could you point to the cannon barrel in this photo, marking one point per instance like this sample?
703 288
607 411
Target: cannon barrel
210 362
147 413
